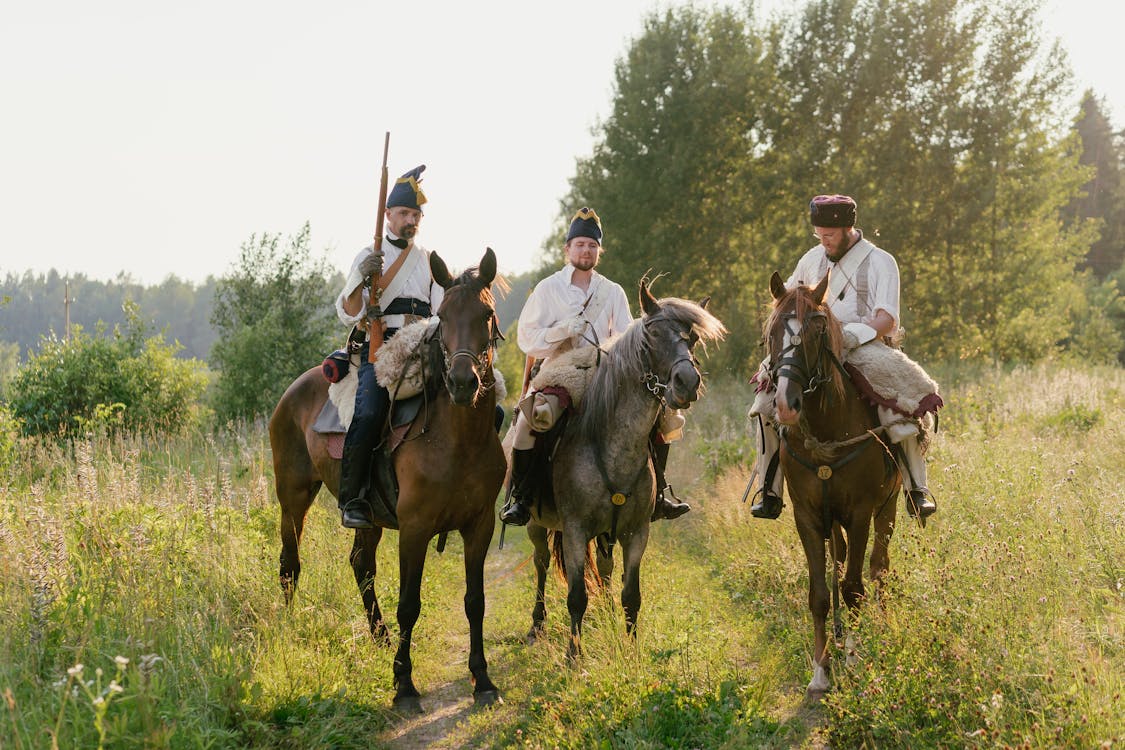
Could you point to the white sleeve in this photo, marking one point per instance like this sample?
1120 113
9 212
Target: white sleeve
883 284
620 317
537 319
354 280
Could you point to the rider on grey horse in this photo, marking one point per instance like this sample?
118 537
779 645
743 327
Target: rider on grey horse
575 307
863 294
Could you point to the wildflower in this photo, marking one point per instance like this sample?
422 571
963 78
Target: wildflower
122 661
75 671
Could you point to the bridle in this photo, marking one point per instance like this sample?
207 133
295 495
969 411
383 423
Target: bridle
810 375
651 381
482 360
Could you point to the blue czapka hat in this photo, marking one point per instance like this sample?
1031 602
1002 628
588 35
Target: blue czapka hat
585 224
408 190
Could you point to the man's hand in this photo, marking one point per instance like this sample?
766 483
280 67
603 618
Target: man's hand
575 326
372 265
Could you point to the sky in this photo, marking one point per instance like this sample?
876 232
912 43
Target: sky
155 138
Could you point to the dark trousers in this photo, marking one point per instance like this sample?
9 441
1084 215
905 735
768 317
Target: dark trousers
372 403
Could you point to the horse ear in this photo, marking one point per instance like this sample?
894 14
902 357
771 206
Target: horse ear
487 269
648 302
821 290
705 301
777 286
440 272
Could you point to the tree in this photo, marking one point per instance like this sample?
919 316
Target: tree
275 318
1103 196
117 379
673 175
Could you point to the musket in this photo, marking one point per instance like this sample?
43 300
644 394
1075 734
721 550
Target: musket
374 312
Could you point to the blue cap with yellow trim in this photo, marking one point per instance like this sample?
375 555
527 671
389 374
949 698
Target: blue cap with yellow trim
408 190
585 224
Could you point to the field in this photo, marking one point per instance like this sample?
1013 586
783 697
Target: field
138 582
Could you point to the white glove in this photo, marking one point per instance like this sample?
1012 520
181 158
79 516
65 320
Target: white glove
575 326
858 334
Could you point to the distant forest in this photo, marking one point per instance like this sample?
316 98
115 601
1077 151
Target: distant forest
33 306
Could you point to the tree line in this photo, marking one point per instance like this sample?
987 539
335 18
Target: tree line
1006 212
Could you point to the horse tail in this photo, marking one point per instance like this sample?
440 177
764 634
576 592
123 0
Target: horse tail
593 581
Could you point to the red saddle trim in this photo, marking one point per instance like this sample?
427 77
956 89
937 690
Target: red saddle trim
336 444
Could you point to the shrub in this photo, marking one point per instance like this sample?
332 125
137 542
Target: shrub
106 380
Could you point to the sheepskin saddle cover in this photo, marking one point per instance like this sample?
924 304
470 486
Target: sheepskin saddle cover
886 377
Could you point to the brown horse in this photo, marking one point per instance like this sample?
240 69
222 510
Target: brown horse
449 469
840 474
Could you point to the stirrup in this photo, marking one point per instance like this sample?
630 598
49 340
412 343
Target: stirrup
920 503
515 513
357 514
769 506
668 509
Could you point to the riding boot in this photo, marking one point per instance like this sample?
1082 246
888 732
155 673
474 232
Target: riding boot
355 510
517 511
919 500
664 507
769 450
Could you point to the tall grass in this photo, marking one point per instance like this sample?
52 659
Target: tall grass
138 582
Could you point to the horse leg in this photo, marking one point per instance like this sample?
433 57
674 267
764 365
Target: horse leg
411 561
541 557
362 559
295 498
632 549
605 565
476 542
851 587
574 548
813 543
880 546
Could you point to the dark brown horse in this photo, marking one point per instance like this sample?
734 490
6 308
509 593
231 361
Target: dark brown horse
603 478
449 469
840 474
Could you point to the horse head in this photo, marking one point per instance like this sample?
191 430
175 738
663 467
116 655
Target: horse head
672 328
468 329
802 336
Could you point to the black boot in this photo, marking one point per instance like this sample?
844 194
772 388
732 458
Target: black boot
664 507
770 505
517 512
355 510
920 503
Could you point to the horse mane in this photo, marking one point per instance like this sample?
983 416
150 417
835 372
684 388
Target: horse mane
800 298
624 361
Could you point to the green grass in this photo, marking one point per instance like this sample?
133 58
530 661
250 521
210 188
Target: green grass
155 561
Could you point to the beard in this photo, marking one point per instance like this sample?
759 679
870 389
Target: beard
408 232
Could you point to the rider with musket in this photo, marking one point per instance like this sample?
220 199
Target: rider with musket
387 288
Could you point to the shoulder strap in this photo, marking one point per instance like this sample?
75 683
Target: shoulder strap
391 290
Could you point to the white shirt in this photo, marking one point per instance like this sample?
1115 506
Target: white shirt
419 285
555 299
863 282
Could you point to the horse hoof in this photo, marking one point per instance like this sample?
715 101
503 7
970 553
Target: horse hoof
486 698
533 636
408 705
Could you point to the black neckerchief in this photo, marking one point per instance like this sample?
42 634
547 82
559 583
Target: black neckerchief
398 242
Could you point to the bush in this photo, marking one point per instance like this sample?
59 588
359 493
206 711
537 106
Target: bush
275 317
106 381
